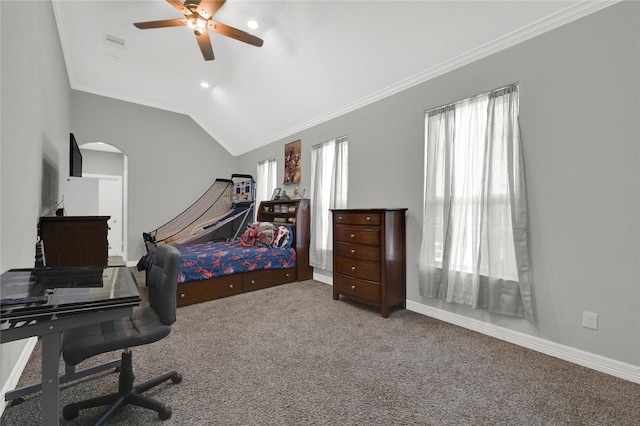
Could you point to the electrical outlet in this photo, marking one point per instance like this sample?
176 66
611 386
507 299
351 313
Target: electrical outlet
590 320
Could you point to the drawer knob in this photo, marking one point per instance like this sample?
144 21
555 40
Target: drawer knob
353 236
182 296
353 251
353 268
353 287
253 281
287 274
339 217
230 285
368 218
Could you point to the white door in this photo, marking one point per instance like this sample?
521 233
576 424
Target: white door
110 204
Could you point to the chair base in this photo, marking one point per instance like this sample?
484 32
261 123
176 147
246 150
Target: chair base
127 394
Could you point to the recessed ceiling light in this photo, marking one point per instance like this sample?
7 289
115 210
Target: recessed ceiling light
252 24
204 84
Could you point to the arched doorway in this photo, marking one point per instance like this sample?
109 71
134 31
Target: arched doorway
108 165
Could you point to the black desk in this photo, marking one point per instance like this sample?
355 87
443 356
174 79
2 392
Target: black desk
45 302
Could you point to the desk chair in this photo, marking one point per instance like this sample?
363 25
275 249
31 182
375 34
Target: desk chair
146 325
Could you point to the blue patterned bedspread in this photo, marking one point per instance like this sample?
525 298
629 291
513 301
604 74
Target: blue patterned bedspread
210 260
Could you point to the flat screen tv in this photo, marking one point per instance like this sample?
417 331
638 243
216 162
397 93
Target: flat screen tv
75 157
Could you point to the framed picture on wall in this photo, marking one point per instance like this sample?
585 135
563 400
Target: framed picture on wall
292 154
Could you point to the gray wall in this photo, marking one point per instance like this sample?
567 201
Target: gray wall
35 125
579 109
172 161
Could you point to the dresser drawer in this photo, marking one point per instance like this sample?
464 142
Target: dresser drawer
358 268
356 251
369 237
357 218
357 289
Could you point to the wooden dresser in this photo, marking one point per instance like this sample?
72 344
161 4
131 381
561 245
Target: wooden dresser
75 240
369 256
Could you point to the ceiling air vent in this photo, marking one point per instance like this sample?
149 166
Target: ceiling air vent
114 41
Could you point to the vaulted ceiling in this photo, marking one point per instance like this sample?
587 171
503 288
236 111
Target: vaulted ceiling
320 59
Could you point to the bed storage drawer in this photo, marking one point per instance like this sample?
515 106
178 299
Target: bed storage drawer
214 288
262 279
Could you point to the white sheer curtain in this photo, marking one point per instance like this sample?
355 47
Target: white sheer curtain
265 181
329 182
474 245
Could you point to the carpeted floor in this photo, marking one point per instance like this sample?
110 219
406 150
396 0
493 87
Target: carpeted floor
290 355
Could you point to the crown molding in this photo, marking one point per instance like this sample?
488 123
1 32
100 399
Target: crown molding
528 32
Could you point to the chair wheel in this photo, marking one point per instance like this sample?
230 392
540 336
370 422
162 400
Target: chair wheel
165 413
69 414
177 378
19 400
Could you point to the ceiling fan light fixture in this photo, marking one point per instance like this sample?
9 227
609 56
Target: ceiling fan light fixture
252 24
198 24
198 16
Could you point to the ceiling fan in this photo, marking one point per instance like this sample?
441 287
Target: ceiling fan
198 15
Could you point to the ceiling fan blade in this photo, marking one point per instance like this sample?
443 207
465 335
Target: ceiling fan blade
240 35
161 24
205 46
207 8
181 7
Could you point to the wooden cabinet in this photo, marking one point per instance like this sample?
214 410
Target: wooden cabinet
369 256
75 240
296 213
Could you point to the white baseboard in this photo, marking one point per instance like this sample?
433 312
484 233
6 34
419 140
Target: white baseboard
17 370
323 278
586 359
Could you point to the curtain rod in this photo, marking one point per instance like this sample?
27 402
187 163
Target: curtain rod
494 92
338 140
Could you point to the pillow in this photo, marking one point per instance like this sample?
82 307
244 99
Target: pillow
248 238
258 234
281 237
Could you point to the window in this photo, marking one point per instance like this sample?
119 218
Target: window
474 248
329 182
265 181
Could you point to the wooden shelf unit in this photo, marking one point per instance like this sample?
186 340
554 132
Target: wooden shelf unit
297 213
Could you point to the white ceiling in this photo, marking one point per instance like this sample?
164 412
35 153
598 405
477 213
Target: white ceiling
319 60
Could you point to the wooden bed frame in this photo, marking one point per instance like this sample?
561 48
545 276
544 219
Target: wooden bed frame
278 211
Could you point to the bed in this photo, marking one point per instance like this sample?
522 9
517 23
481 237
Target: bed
272 251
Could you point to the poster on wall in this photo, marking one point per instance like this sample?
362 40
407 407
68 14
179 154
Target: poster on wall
292 154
